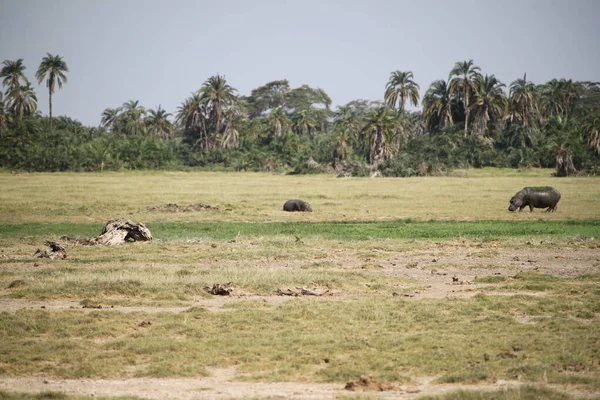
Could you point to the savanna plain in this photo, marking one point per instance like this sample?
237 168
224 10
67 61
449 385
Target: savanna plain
404 288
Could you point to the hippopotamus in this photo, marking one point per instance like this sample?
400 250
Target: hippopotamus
296 205
535 197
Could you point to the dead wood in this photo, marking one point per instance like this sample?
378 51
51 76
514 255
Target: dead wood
56 251
116 231
220 289
301 291
122 230
310 292
287 292
368 383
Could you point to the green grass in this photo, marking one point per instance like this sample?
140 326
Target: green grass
398 229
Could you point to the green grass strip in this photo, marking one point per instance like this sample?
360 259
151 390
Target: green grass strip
398 229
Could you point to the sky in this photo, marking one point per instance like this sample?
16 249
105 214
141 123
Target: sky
159 52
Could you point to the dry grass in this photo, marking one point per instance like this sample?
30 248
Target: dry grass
259 197
530 321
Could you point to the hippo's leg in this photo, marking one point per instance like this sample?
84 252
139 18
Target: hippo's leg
521 208
531 208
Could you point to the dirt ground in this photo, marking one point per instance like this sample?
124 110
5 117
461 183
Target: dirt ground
443 270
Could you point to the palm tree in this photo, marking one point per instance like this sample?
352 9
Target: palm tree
278 120
22 101
558 97
13 75
591 129
304 122
400 88
341 149
489 102
4 116
158 124
133 117
234 118
53 69
437 105
191 116
462 83
216 95
379 122
564 161
110 118
523 107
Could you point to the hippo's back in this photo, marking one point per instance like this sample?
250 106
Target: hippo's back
296 205
543 197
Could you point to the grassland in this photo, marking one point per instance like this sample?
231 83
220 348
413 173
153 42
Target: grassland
426 279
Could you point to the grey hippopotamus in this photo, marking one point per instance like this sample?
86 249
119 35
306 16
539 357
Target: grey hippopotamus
296 205
535 197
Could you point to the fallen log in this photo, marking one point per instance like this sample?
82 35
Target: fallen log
122 230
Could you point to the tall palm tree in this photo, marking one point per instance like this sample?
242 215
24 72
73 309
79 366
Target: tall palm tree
158 123
53 69
216 94
110 118
591 128
379 123
523 107
341 149
401 88
304 122
22 101
234 118
558 97
133 117
13 75
462 84
4 116
191 117
278 120
489 102
437 105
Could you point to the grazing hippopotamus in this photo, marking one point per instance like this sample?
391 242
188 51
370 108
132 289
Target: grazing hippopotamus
538 197
296 205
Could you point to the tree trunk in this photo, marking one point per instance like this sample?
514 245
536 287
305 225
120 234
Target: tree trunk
376 148
467 110
50 106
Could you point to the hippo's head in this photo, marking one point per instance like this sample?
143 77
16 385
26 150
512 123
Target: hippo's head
306 207
515 202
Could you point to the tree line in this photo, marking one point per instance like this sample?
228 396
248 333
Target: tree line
470 119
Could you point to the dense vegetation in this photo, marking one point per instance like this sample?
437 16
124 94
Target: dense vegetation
469 120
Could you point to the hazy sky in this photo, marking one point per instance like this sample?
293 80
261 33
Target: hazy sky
158 52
